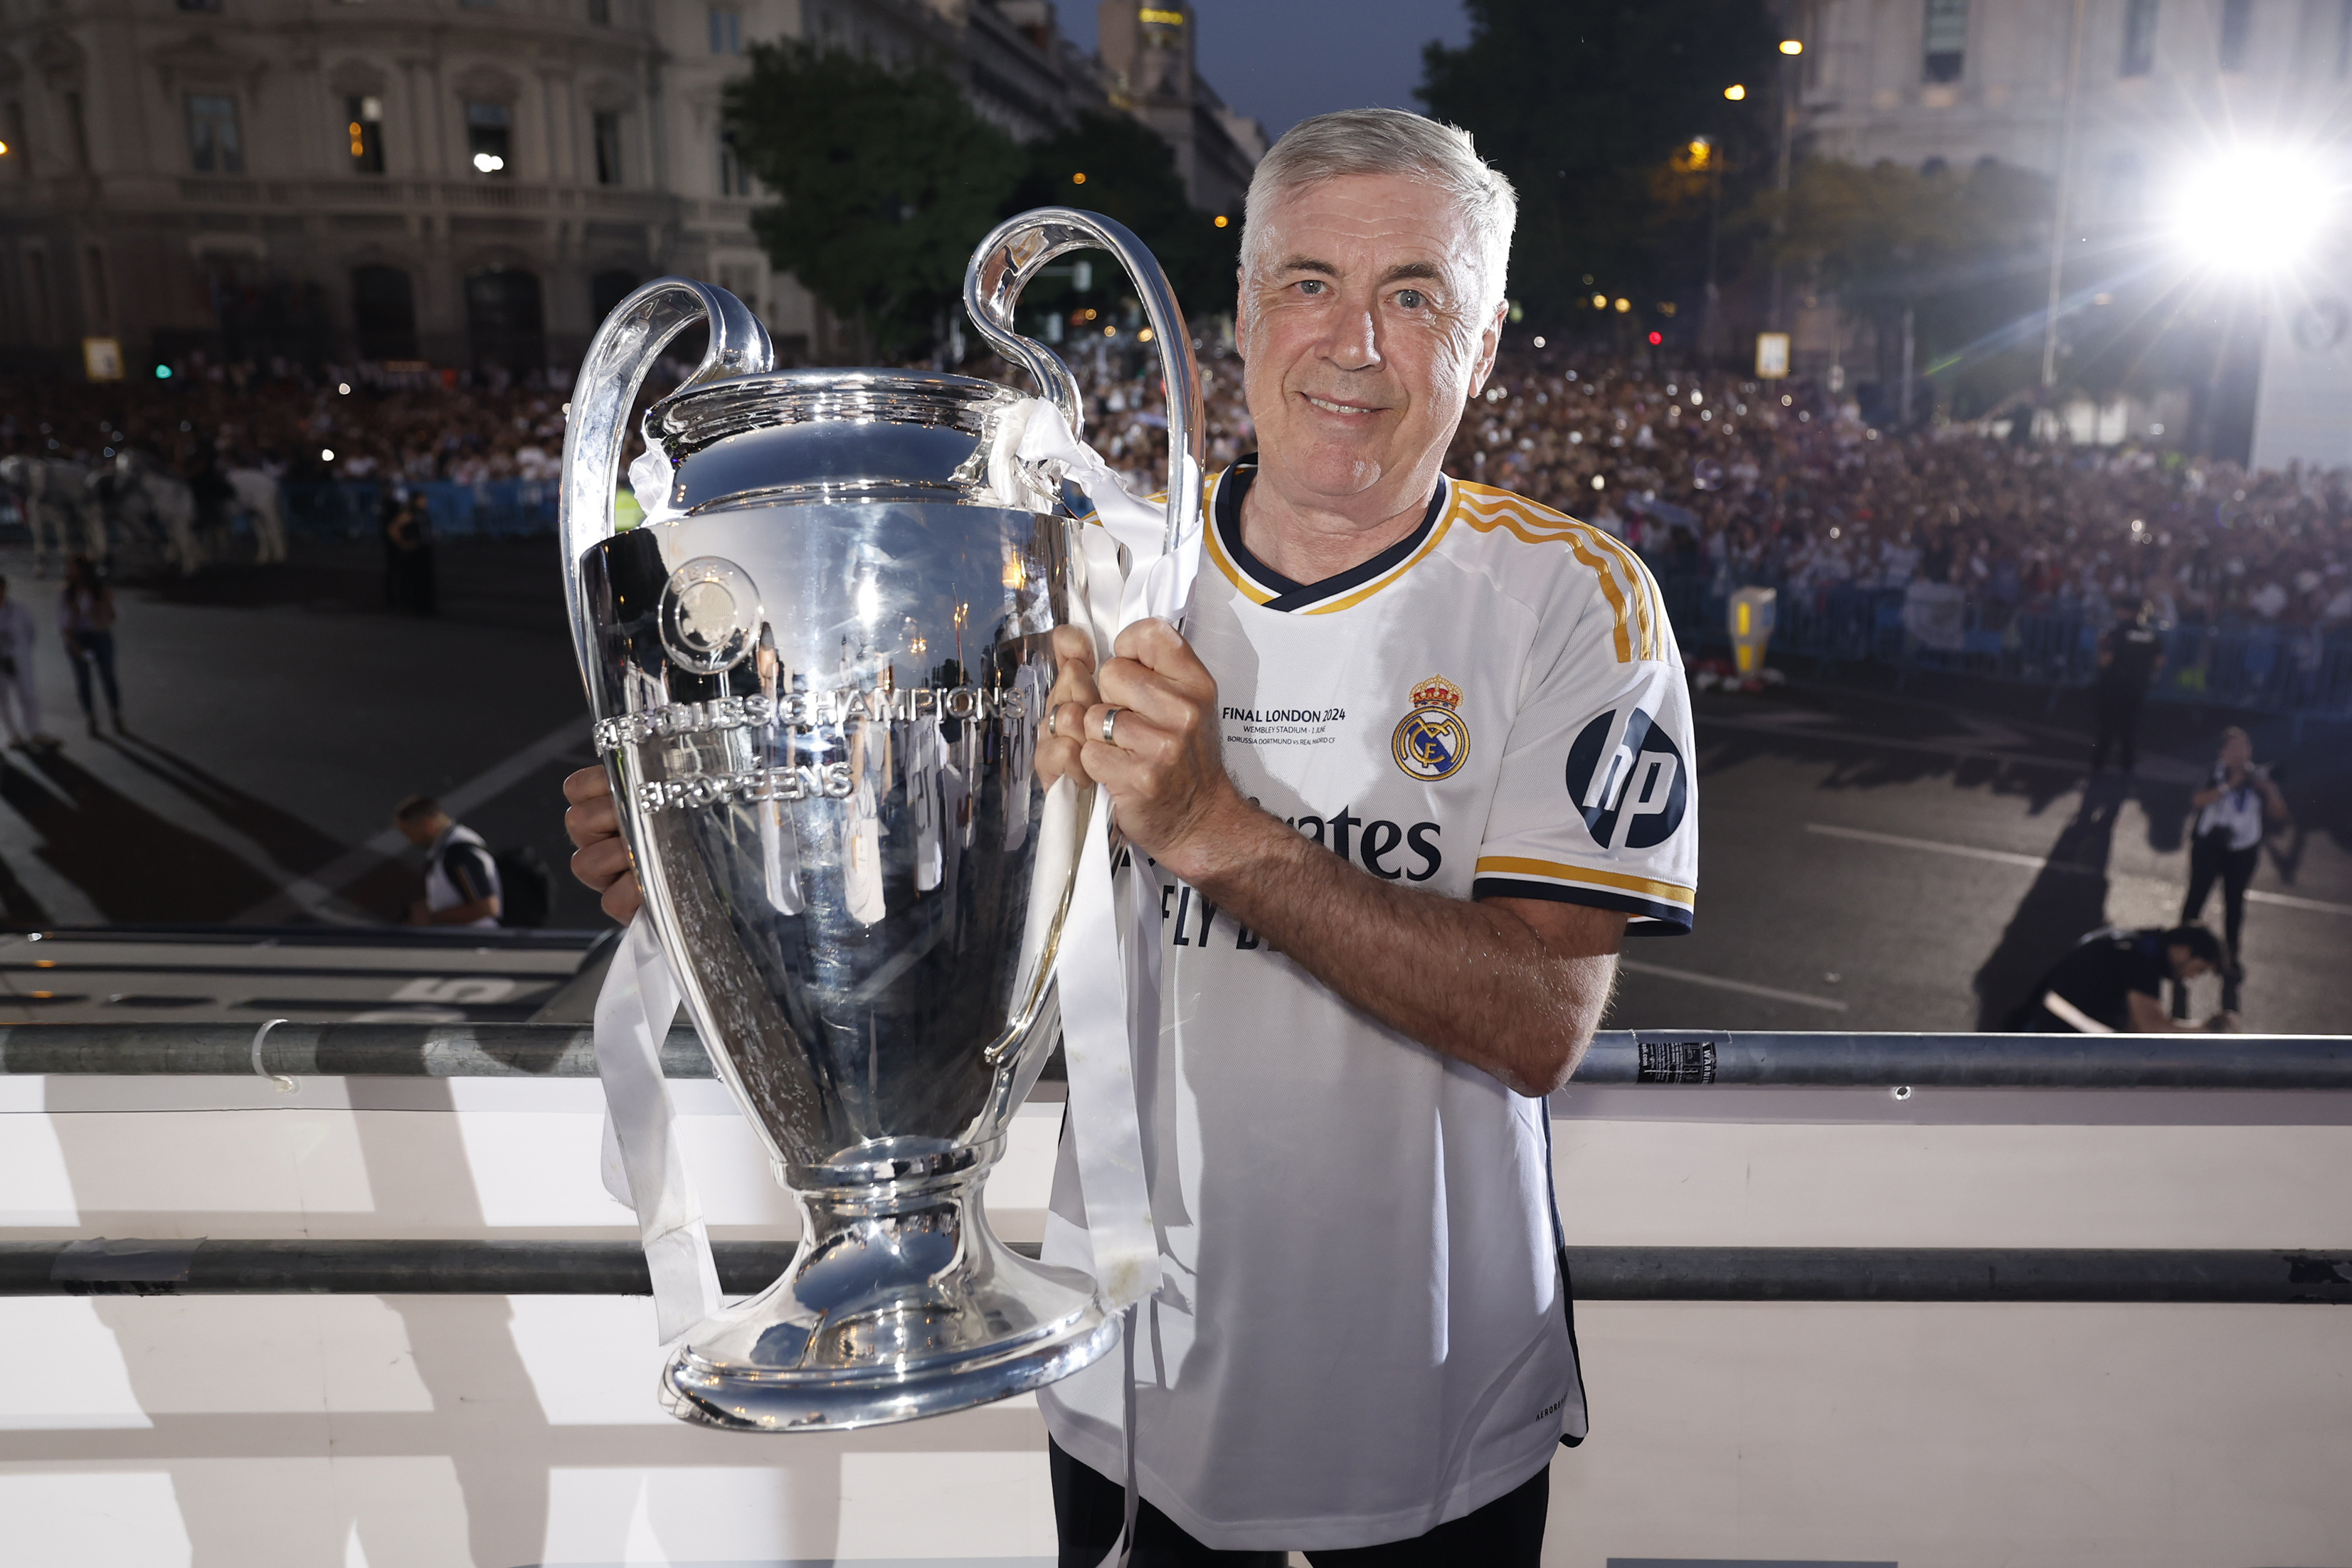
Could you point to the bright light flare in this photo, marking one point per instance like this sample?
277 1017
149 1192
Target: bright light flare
2254 210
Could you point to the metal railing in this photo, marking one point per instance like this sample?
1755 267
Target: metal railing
1617 1057
374 1267
397 1267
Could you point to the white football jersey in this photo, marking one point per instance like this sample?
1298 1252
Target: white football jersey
1360 1334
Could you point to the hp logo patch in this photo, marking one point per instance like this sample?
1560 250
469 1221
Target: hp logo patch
1626 779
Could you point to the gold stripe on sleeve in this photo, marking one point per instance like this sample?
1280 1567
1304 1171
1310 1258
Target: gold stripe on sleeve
1513 865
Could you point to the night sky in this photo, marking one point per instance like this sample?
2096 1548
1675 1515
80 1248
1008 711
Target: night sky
1282 60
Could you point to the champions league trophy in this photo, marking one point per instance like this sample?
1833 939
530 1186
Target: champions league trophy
817 671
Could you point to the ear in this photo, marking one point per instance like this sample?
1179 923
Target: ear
1490 341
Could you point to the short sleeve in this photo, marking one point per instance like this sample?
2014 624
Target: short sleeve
472 871
1598 802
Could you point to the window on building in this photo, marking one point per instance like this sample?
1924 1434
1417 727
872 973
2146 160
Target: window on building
101 292
215 145
77 123
1945 45
725 30
607 289
734 180
364 131
2139 37
489 137
600 12
384 309
606 129
2237 33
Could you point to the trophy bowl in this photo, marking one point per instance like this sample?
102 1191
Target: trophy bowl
816 672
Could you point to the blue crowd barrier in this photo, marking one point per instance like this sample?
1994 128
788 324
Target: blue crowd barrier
2293 671
350 509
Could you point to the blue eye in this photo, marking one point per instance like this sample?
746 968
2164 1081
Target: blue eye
1411 298
1312 285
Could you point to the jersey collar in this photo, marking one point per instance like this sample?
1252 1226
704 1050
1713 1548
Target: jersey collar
1263 585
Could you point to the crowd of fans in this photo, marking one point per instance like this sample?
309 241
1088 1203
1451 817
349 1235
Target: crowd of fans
357 422
1718 481
1723 482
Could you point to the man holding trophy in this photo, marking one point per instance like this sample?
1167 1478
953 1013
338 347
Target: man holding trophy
1415 762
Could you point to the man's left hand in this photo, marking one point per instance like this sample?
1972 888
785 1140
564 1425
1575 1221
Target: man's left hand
1164 761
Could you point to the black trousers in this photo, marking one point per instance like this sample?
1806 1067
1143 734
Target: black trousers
1088 1506
2210 860
2119 711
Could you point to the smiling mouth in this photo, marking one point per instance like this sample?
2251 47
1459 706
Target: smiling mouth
1330 407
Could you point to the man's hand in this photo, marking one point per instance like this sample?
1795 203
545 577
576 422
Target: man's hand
1058 739
1163 764
599 855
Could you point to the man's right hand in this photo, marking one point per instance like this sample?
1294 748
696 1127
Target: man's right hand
599 855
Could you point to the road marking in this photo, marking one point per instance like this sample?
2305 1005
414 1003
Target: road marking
1999 857
1720 983
2042 862
313 894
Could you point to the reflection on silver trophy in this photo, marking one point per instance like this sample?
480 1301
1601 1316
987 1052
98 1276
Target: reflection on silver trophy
817 673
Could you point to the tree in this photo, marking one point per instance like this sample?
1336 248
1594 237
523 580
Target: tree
887 181
1966 253
1130 175
1583 103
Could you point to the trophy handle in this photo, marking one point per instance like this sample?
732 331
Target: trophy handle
623 351
1005 262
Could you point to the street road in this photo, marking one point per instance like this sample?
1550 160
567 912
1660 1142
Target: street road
1867 861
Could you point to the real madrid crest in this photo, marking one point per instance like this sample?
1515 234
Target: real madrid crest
1431 741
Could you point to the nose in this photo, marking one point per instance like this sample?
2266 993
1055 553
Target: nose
1355 343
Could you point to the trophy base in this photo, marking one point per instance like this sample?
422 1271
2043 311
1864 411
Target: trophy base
900 1304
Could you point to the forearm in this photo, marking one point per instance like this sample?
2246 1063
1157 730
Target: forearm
1472 981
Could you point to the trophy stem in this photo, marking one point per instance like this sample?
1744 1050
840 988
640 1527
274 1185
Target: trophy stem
900 1303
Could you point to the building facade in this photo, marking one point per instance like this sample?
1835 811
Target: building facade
456 181
2158 86
1149 57
2121 115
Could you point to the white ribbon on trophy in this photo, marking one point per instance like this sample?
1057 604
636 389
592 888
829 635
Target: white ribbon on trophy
643 1166
1109 973
1107 969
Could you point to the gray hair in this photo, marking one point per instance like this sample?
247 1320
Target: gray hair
1389 142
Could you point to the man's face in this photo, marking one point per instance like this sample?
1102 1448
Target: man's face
2237 751
2186 966
1364 337
419 831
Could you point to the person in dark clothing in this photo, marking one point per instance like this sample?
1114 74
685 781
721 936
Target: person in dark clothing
86 621
2235 808
211 492
2111 980
2131 656
409 580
